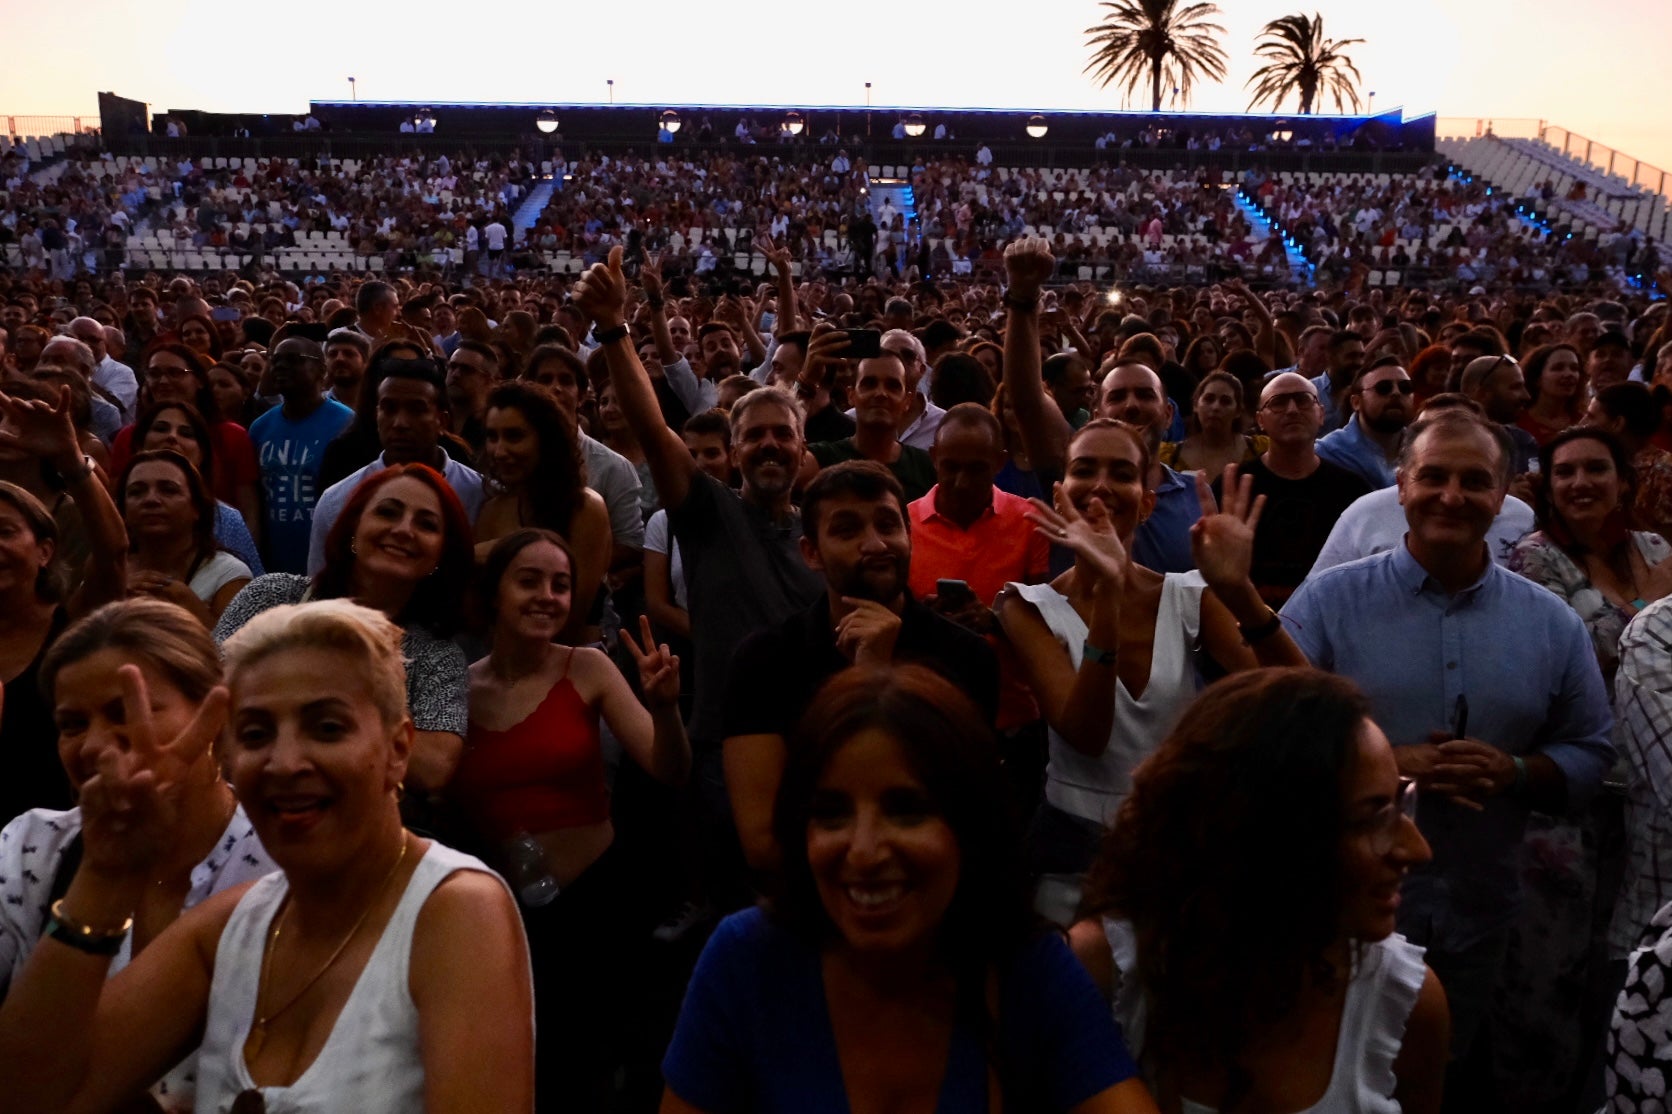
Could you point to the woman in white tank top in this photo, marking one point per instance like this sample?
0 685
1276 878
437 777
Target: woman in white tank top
1109 646
354 980
1241 911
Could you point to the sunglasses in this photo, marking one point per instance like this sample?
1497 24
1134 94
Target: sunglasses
1387 386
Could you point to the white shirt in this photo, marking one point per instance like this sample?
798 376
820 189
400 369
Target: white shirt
1375 523
495 234
120 381
465 481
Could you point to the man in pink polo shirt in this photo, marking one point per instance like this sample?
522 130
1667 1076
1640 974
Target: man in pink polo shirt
966 529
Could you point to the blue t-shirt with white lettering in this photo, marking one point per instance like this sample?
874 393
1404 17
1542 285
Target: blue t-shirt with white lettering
290 454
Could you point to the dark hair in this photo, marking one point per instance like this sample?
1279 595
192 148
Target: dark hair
1059 364
195 363
438 601
558 486
1226 859
949 746
200 430
499 559
972 415
709 423
1455 419
203 502
796 340
1544 509
1635 404
204 320
1249 368
861 479
1138 436
558 353
52 583
361 431
960 378
1193 354
1230 383
1532 370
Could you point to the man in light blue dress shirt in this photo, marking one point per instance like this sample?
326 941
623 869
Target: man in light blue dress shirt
1485 683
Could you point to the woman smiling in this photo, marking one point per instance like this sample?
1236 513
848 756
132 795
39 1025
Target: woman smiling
900 969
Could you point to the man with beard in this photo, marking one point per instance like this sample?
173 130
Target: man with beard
741 549
1497 385
721 358
1303 494
347 352
1368 445
858 537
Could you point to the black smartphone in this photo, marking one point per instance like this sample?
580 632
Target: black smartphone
953 594
863 344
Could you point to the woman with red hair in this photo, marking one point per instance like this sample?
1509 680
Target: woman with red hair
403 545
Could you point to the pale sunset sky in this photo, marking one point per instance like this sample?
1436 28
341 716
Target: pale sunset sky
1597 67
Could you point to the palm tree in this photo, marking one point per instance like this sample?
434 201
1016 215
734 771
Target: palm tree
1302 61
1170 42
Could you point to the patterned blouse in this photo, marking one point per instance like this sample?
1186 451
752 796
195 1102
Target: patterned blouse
437 692
1542 561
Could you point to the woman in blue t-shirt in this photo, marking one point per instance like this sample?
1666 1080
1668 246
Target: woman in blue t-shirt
900 967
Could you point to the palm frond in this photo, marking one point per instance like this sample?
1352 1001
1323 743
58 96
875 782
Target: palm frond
1156 41
1302 61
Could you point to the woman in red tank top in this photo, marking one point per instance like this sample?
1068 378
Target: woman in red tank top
532 783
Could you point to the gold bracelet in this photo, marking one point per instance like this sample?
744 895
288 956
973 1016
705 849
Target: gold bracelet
85 938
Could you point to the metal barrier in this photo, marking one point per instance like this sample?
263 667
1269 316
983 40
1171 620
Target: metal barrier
51 125
1632 174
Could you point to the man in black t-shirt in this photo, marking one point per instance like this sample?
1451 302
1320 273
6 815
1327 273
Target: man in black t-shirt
1304 494
880 400
858 538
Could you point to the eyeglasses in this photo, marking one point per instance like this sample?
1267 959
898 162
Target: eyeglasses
1298 400
1387 386
1383 828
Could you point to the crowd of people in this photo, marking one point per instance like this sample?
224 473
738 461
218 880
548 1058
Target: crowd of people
705 205
659 690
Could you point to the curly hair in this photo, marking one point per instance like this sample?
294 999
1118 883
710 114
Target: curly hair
557 487
1226 859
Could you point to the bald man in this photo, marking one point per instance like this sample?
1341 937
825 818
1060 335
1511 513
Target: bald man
115 377
1304 493
1133 394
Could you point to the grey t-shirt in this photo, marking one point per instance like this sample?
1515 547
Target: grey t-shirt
744 572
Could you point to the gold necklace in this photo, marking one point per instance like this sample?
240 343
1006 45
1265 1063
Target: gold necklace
259 1031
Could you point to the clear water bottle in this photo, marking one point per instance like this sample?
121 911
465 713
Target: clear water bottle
534 884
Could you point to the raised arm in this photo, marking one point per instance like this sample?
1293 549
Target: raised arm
651 732
788 309
650 277
1265 339
70 1040
1079 704
601 294
45 431
1045 432
1239 629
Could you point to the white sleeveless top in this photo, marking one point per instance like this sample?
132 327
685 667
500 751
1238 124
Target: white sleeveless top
1380 996
1093 788
371 1062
